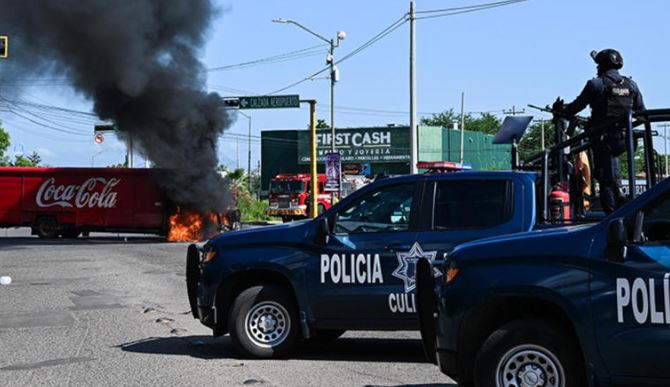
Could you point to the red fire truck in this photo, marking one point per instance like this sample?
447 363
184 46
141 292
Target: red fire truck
69 201
289 194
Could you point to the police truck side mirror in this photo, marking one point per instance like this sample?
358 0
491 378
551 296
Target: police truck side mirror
322 231
616 241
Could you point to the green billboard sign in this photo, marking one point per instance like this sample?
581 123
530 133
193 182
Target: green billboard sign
359 145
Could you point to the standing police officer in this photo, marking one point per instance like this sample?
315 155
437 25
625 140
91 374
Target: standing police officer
610 96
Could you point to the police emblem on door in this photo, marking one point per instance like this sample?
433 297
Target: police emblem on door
406 270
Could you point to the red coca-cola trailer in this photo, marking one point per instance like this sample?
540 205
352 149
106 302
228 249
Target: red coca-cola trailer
69 201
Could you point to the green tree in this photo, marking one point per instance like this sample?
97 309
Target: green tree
531 143
484 122
320 124
31 160
639 162
4 144
250 208
35 158
446 119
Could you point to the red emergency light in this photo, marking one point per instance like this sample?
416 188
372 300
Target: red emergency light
442 166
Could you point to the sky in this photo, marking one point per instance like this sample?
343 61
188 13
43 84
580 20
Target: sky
529 52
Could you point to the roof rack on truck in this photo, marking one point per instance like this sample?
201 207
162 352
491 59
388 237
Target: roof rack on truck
557 172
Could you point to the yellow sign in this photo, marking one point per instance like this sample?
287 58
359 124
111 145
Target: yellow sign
4 46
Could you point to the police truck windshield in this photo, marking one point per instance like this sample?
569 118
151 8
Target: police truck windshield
279 187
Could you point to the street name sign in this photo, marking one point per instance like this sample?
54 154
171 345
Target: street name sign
270 102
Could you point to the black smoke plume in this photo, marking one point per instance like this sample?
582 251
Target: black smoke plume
137 61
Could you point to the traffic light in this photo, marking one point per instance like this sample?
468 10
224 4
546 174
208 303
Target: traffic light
3 46
105 128
231 102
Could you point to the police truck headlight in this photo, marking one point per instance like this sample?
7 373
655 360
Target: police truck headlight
449 270
451 273
208 254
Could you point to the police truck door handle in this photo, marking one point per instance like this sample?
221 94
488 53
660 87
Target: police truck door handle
396 246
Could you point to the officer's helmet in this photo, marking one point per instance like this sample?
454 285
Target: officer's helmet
608 58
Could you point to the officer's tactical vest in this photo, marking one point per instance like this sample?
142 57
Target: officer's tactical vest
619 97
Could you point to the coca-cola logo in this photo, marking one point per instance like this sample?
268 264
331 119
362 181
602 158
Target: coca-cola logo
86 195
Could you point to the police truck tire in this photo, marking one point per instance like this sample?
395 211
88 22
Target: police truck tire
531 350
46 227
263 321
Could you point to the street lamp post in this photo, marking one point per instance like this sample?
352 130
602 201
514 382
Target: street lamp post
249 152
334 73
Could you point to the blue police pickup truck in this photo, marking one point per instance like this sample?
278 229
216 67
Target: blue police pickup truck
352 267
581 305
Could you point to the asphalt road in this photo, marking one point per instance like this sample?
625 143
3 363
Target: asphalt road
112 310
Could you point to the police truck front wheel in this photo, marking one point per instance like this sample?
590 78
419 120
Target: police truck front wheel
528 353
263 321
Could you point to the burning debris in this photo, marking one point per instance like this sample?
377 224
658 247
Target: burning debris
137 61
186 226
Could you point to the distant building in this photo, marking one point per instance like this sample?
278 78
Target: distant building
385 149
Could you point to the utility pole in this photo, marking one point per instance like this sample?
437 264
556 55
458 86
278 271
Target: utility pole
513 111
413 158
665 141
249 159
542 129
258 172
462 126
130 150
333 78
248 117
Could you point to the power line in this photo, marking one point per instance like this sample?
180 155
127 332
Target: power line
386 31
293 55
45 125
233 91
467 9
300 81
50 107
49 124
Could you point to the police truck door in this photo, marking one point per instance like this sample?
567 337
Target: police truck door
631 300
353 275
